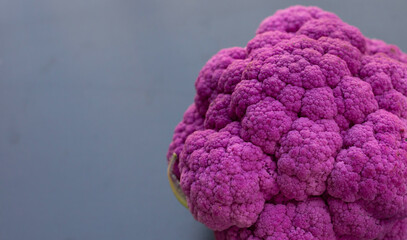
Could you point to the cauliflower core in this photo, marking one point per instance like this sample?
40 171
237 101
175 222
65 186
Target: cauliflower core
299 135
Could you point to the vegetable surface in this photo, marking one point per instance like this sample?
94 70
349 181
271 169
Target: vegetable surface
299 135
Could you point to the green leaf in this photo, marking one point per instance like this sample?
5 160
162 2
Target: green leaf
174 182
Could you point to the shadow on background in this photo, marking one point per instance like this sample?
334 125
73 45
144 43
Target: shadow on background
207 234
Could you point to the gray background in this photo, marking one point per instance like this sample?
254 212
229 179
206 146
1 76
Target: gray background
90 92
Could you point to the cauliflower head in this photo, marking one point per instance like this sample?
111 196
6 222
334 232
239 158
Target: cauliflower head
302 134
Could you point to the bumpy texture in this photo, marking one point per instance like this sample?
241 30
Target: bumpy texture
302 134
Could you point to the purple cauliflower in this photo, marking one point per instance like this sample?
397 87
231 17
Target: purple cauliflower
302 134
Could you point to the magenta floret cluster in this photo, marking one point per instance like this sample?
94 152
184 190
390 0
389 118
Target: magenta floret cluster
302 135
